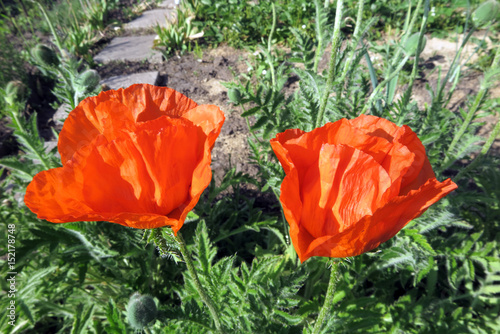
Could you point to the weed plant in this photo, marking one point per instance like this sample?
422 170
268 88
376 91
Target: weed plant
440 274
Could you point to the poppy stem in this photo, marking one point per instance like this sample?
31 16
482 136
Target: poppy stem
332 285
204 296
332 66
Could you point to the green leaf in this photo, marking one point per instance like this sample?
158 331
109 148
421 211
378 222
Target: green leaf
21 169
82 319
288 318
203 249
251 111
260 122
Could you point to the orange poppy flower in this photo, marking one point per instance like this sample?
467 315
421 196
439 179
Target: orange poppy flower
138 157
353 184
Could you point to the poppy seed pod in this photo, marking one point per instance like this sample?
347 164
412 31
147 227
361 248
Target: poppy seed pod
45 55
141 310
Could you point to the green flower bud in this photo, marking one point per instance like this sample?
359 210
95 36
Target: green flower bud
15 91
485 13
45 55
141 310
412 42
234 95
87 81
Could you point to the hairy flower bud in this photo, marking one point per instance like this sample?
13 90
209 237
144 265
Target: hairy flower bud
45 55
15 91
87 81
485 13
141 310
412 42
234 95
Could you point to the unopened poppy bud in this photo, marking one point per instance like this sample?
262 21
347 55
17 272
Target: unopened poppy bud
15 91
87 81
45 55
485 13
141 310
234 95
412 43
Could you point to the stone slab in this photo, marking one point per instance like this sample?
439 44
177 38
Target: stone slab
61 114
169 4
151 18
131 48
50 147
123 81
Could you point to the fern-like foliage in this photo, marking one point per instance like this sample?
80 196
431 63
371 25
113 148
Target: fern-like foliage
260 298
303 50
35 158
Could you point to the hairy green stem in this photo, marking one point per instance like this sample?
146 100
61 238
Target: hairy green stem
332 285
332 64
204 296
52 29
409 28
472 111
439 95
189 263
269 47
319 36
486 147
355 40
413 75
377 90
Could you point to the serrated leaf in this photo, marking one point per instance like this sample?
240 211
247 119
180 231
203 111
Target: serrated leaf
288 318
22 170
251 111
260 122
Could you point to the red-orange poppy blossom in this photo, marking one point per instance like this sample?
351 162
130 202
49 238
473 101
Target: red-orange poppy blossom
138 157
353 184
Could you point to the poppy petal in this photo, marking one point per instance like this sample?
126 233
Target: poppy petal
385 223
421 169
147 102
147 173
114 111
375 126
345 185
209 117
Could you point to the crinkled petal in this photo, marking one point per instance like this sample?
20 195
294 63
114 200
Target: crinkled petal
303 147
421 169
375 126
387 221
209 117
282 144
345 185
147 102
149 173
115 111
